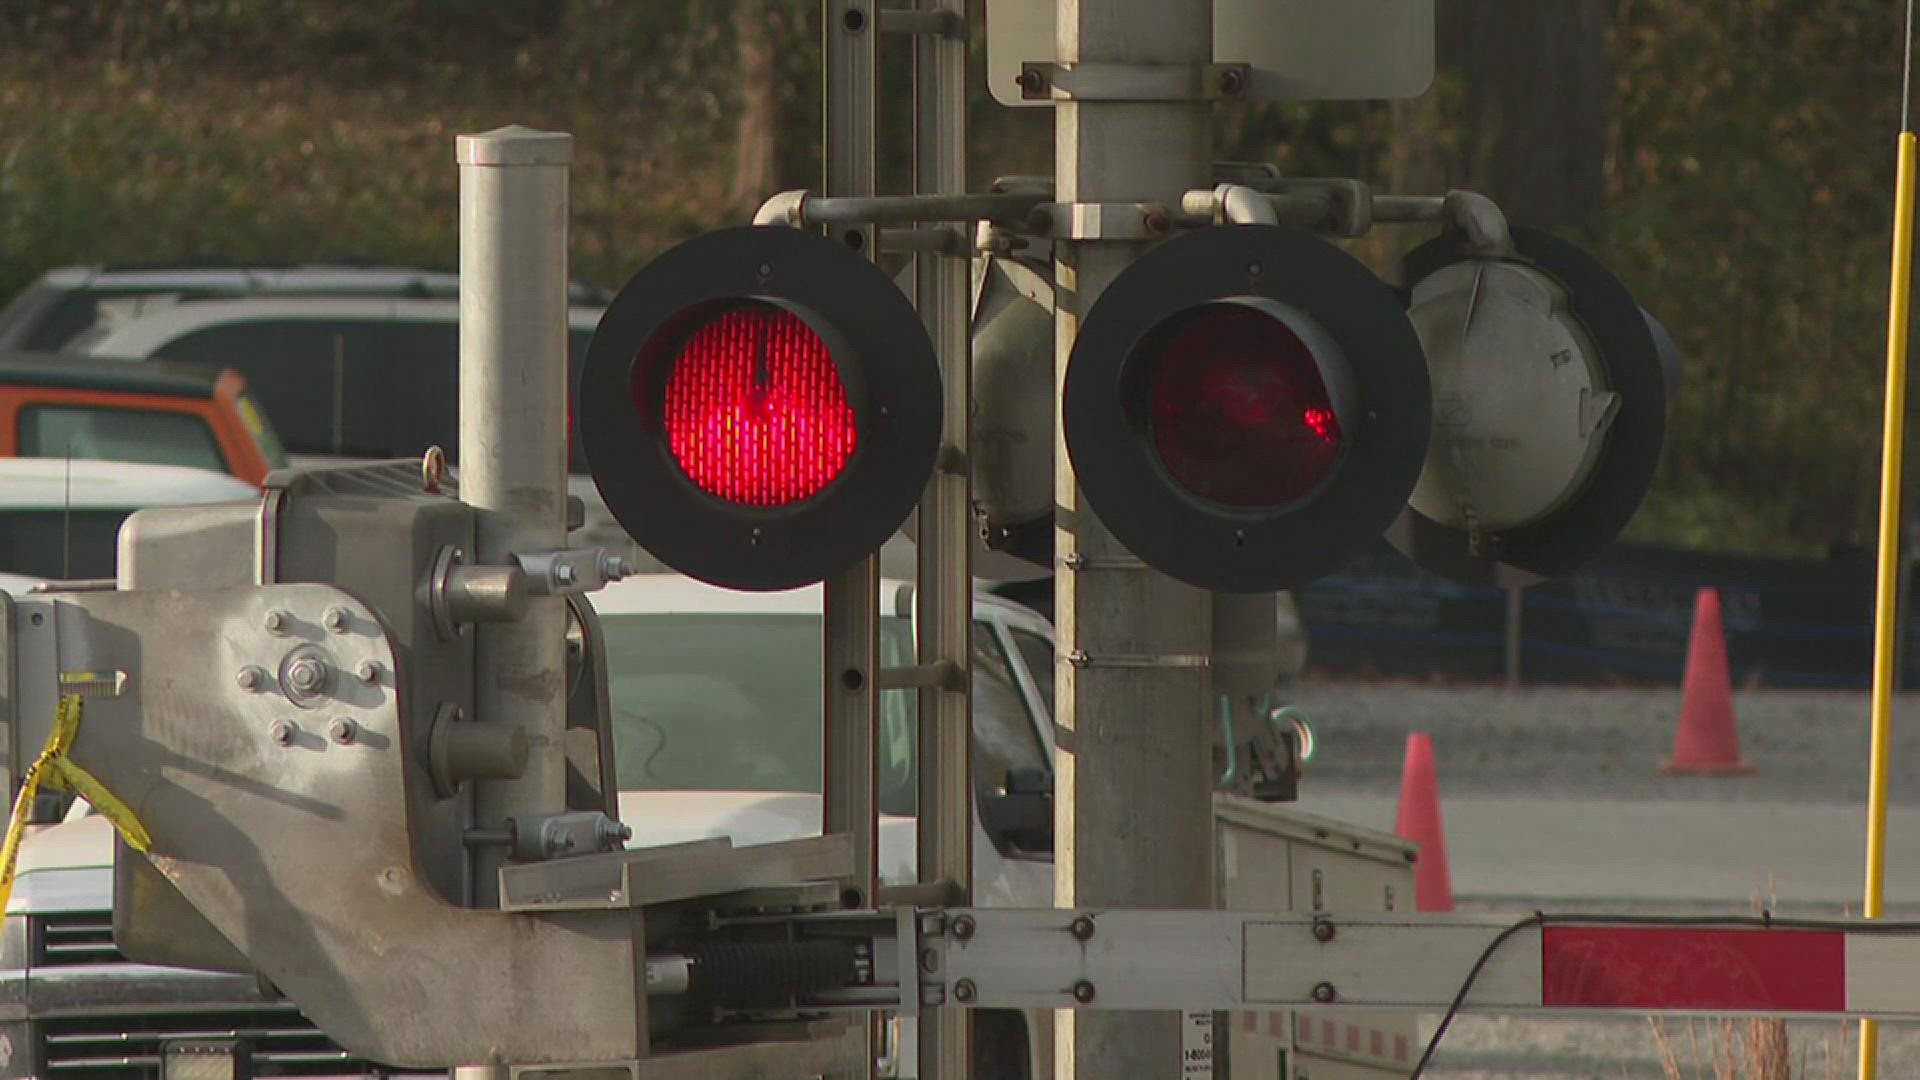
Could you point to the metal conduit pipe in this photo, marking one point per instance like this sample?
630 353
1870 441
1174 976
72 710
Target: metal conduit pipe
1231 204
1477 217
788 208
1402 209
1484 223
803 209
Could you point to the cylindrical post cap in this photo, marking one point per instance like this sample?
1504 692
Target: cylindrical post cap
515 145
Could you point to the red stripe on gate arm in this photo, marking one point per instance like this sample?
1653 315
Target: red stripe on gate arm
1684 968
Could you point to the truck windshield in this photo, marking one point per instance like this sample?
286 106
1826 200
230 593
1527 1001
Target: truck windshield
731 702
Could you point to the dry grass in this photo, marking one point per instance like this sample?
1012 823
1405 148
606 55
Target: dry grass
1750 1049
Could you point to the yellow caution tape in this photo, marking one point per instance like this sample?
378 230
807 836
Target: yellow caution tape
57 772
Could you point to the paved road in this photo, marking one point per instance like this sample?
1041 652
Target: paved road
1553 798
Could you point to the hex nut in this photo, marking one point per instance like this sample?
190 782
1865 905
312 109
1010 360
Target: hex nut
282 732
964 991
275 621
306 675
1082 928
336 619
342 730
251 677
963 928
1083 992
1323 930
368 671
1324 993
613 833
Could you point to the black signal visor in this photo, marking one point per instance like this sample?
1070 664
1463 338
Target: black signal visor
760 408
1246 408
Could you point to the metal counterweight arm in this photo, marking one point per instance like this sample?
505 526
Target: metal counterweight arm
288 828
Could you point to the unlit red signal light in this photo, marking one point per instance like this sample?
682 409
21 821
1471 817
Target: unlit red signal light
1241 414
1246 408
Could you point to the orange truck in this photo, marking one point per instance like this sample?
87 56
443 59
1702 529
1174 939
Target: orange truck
151 412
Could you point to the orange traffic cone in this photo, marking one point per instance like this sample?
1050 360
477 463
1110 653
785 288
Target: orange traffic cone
1707 743
1419 821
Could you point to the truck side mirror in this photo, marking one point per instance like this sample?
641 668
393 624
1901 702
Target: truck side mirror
1019 817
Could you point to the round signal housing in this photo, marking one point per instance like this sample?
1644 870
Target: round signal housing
760 408
1549 387
1246 408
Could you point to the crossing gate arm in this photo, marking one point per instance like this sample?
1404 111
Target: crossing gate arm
1542 965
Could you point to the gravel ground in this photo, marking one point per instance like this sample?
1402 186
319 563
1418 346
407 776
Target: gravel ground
1805 746
1496 1048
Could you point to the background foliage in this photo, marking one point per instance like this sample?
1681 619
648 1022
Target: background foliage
1733 161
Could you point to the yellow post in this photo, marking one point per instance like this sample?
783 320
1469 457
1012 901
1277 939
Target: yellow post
1884 599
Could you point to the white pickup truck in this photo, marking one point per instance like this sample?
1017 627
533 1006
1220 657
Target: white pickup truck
716 698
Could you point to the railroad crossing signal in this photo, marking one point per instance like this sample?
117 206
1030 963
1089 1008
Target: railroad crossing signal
1246 407
760 408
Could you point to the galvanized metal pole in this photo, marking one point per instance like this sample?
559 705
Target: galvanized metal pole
852 599
945 591
513 447
1133 806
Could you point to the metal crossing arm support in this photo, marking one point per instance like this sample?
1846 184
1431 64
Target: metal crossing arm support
1540 965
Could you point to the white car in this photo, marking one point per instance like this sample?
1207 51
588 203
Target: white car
716 700
60 518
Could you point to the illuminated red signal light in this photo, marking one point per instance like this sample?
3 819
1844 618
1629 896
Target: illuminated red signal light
1240 414
760 408
755 411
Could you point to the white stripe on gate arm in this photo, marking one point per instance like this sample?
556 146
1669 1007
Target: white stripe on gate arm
1883 975
1407 963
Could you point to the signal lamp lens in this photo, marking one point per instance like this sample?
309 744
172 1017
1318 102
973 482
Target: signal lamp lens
755 411
1239 412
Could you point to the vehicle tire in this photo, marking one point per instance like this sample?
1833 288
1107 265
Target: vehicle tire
1000 1047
